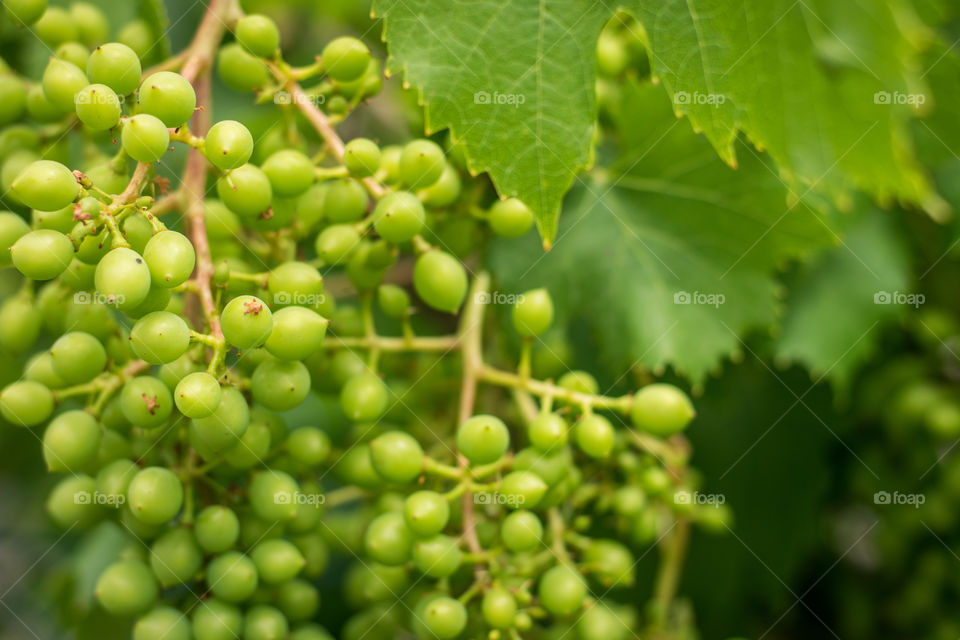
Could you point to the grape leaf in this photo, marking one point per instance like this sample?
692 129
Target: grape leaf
511 79
671 261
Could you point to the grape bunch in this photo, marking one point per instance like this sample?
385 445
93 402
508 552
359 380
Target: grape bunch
166 339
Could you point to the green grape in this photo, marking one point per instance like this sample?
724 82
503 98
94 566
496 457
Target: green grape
214 619
69 503
273 496
62 81
398 217
221 223
217 529
46 185
126 588
345 58
13 99
437 557
562 590
345 201
277 561
445 617
92 24
290 172
263 622
20 324
115 65
314 551
258 34
170 257
197 395
295 283
26 403
39 368
661 409
532 313
145 138
106 177
155 495
364 397
280 385
309 206
123 277
169 97
113 481
175 557
579 381
522 489
548 432
55 27
390 163
629 501
246 191
309 446
74 53
98 107
499 608
12 228
388 540
158 298
361 157
440 281
426 513
146 402
397 457
594 435
220 430
522 531
246 322
24 13
39 108
94 246
71 441
610 562
253 447
483 439
421 164
445 191
232 577
241 71
298 600
78 357
162 622
160 337
310 632
228 145
60 220
336 243
393 300
510 218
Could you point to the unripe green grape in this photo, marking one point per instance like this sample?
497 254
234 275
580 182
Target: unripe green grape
39 368
594 435
277 561
388 540
309 206
222 429
170 256
138 36
345 58
228 145
445 617
24 13
498 607
310 632
78 357
114 479
562 590
239 70
314 551
397 456
232 577
98 107
15 164
361 156
214 619
46 185
107 178
398 217
523 489
26 403
115 65
145 138
94 246
298 600
294 283
421 164
426 513
126 588
74 53
522 531
12 228
146 401
290 172
258 34
250 193
60 220
336 243
123 277
168 96
483 439
364 397
55 27
440 281
532 313
62 81
309 446
246 322
65 505
92 25
263 622
157 299
610 562
162 622
175 557
437 557
579 381
345 201
197 395
217 529
297 333
273 496
394 301
155 495
20 323
661 409
548 432
13 99
252 448
71 441
280 385
445 191
39 108
160 337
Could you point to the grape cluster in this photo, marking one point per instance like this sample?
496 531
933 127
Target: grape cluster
159 362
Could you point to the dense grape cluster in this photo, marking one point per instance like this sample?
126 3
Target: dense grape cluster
163 337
